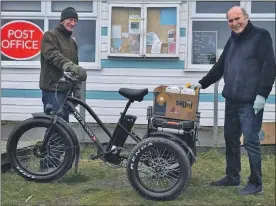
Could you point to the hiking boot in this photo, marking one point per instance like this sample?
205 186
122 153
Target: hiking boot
251 189
226 181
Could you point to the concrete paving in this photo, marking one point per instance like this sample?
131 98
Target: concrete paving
205 136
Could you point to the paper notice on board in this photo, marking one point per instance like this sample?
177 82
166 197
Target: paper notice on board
134 24
171 36
125 35
152 38
172 48
116 32
156 48
116 45
134 43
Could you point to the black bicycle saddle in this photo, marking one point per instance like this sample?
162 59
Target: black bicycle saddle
133 94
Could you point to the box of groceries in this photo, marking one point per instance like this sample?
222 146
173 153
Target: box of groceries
176 102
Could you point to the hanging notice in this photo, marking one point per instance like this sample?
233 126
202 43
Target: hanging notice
172 41
116 31
171 36
125 35
156 48
134 43
116 45
152 38
204 47
134 24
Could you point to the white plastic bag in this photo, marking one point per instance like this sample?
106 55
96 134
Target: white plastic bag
188 91
174 89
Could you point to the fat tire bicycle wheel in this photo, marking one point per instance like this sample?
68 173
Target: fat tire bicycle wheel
13 152
161 169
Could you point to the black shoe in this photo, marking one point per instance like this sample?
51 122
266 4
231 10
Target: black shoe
226 181
251 189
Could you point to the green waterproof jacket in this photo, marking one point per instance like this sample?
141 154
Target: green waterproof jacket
57 48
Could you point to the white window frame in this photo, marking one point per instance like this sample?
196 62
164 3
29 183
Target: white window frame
143 26
52 16
192 16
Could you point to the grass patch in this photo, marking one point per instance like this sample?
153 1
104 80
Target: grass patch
98 184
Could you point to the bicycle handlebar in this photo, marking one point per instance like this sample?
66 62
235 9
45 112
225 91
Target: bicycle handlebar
68 76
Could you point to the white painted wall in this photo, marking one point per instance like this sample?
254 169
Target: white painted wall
111 80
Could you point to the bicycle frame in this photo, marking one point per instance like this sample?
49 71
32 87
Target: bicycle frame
69 101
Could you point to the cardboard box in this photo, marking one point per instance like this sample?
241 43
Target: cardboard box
174 105
267 134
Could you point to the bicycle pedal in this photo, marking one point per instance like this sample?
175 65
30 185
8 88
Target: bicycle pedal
93 157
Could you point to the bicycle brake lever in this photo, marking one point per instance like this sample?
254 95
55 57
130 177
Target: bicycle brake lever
69 74
62 79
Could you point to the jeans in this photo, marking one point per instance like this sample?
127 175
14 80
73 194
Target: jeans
55 142
241 119
48 97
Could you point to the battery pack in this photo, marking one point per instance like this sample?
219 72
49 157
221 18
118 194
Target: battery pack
120 135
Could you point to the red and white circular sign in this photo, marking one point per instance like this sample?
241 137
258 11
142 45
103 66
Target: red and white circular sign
20 40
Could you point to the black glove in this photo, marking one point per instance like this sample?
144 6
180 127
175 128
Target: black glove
76 70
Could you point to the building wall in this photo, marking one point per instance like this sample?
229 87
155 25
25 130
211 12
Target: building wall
21 95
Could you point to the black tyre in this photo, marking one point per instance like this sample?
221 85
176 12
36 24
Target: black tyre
163 158
64 149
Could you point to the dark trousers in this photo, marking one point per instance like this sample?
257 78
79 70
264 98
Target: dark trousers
55 142
241 119
48 97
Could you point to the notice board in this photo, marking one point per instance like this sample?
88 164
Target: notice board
125 30
204 47
161 30
159 26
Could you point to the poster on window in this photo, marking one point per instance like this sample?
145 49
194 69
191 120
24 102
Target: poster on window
172 41
204 47
134 43
134 24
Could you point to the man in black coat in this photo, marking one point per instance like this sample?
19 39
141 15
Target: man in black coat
248 67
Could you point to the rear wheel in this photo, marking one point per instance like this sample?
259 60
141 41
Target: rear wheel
158 169
32 163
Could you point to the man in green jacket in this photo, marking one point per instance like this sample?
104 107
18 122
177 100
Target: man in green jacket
59 54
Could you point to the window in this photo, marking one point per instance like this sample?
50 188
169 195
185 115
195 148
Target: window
46 14
85 40
84 8
144 30
81 6
214 7
260 7
21 6
208 30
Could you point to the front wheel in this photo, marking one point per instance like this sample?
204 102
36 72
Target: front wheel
24 148
158 169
